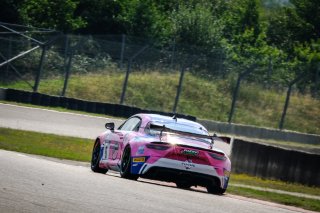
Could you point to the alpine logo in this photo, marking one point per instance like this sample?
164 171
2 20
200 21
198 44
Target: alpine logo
188 164
189 152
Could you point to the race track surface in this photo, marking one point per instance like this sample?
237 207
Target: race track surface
34 184
50 121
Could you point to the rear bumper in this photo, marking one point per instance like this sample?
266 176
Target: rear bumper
174 171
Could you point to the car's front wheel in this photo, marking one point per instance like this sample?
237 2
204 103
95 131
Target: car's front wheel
126 165
95 158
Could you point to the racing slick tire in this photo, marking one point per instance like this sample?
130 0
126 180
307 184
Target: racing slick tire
183 185
214 189
95 158
126 165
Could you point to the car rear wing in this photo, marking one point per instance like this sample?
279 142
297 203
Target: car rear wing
163 128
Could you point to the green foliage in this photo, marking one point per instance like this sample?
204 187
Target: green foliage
195 24
101 16
9 11
57 14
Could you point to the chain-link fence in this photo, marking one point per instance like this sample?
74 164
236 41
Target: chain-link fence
134 71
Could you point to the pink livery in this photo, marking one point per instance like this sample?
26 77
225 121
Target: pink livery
163 148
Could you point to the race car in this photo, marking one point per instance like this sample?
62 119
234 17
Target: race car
163 148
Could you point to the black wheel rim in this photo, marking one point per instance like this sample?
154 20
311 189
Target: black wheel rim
126 160
95 154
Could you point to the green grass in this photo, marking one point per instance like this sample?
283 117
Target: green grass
306 203
80 150
46 144
273 184
202 97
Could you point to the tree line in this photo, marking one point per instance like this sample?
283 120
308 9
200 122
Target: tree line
247 34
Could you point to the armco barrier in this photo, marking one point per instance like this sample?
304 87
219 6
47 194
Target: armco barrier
3 94
35 98
276 163
258 132
82 105
76 104
26 97
100 108
45 100
55 101
72 104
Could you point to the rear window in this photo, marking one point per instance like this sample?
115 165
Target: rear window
180 127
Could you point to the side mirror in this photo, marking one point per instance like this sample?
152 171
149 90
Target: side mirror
110 126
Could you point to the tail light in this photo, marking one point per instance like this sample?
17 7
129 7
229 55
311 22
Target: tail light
218 156
158 146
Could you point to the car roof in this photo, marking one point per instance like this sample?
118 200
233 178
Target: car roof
168 119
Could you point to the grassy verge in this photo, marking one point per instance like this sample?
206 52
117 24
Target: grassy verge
306 203
273 184
80 149
46 144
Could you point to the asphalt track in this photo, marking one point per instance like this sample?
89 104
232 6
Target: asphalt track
34 184
31 183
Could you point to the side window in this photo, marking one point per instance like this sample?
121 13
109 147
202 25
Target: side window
132 124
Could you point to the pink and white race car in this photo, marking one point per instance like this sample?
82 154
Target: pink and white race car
163 148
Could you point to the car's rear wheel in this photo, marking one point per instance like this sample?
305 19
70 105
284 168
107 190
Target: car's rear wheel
95 158
126 165
183 185
214 189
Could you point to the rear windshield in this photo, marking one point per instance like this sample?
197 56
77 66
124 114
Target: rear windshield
180 127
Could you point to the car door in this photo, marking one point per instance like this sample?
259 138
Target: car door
119 138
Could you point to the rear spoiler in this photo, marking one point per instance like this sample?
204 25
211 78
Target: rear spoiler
163 128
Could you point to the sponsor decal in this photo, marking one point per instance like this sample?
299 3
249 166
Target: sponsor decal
114 150
138 160
188 164
226 173
189 152
140 150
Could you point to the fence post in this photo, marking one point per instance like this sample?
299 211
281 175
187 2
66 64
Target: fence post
236 91
317 82
124 88
179 89
270 70
42 59
234 98
284 113
173 53
9 56
67 67
183 68
122 50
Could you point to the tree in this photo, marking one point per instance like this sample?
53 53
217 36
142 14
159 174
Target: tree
143 18
58 14
9 11
195 25
101 16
